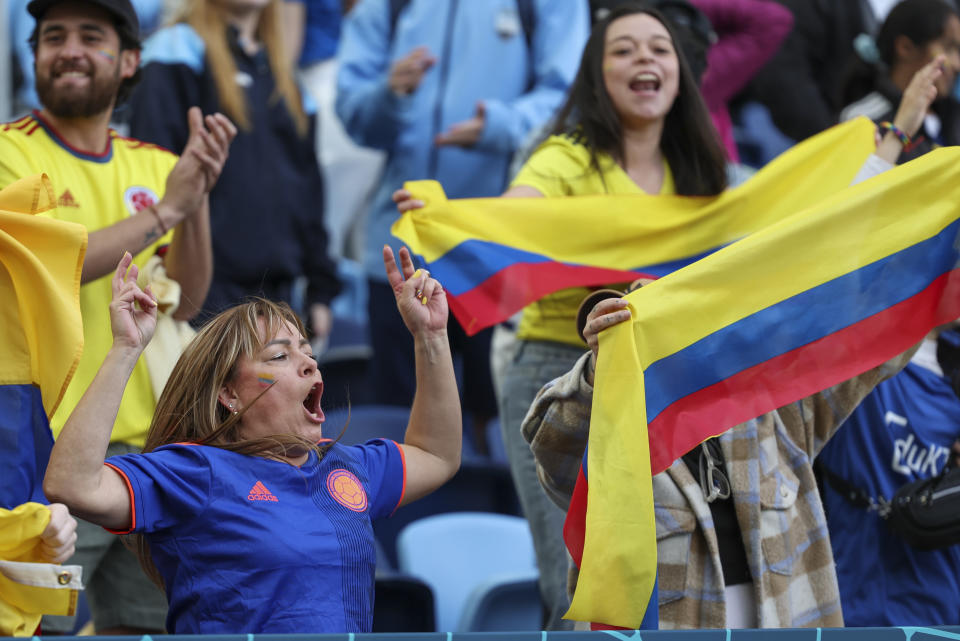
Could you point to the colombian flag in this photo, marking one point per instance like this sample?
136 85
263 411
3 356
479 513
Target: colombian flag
496 255
804 304
41 335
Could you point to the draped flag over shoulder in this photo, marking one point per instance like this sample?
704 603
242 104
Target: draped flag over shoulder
496 255
791 310
41 332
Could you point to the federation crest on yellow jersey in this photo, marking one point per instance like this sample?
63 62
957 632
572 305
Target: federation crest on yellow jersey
138 198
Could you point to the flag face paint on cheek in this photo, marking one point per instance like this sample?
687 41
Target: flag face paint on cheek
108 54
265 380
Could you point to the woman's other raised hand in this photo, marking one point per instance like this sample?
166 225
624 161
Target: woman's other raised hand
133 311
420 298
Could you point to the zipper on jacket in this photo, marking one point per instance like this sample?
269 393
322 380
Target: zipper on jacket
942 493
441 91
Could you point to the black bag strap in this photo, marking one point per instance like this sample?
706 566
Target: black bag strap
525 9
854 495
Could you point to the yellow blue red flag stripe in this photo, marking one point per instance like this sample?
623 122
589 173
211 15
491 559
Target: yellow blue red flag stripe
809 302
496 255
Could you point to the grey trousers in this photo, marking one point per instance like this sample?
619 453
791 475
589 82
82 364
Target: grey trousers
535 364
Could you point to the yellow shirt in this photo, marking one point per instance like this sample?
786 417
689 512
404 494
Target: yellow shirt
561 167
95 190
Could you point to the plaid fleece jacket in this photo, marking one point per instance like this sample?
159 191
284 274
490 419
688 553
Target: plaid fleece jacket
768 461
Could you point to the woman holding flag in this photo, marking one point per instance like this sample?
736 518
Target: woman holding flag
634 122
741 533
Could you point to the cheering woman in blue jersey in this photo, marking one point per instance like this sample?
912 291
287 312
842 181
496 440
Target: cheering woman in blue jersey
249 518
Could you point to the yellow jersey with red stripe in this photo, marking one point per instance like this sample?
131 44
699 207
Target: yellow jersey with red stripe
95 190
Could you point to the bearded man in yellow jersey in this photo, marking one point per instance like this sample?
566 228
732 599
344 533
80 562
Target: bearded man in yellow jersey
131 196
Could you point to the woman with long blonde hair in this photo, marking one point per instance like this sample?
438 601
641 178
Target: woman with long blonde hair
266 214
254 521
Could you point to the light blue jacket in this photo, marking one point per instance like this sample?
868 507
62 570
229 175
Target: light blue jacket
482 56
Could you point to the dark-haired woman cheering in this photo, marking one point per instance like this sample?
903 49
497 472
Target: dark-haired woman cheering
634 122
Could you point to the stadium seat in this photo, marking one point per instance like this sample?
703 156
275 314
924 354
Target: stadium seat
454 553
477 487
402 604
504 603
367 422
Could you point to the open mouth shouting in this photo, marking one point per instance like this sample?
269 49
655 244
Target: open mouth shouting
311 404
645 82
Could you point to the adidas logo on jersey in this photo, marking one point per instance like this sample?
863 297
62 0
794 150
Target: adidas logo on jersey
259 492
66 199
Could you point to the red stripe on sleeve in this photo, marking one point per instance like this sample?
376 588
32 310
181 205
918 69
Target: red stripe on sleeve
403 461
133 505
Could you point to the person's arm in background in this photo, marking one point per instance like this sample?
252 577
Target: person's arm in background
542 175
749 32
560 30
172 64
917 98
320 270
294 17
813 420
788 85
189 260
556 427
373 92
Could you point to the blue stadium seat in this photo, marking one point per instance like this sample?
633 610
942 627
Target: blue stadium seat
504 603
454 553
477 487
402 604
367 422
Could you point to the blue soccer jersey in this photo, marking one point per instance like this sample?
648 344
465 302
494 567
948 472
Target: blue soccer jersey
247 544
901 432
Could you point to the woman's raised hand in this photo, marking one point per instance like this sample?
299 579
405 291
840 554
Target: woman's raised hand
605 314
133 311
405 201
420 298
917 97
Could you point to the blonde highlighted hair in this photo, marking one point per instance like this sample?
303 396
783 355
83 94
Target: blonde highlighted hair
209 20
189 409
